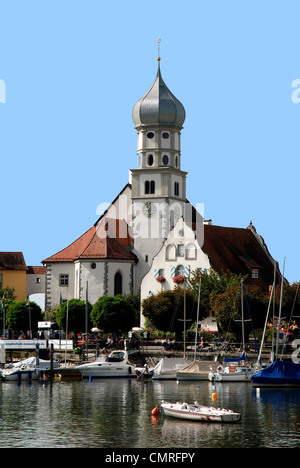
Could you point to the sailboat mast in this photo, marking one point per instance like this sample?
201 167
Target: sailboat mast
242 309
197 322
280 308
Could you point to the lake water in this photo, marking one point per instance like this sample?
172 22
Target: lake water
117 414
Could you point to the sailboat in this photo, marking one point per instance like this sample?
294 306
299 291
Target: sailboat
194 370
236 370
279 373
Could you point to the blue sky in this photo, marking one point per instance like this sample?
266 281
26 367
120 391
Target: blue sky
73 71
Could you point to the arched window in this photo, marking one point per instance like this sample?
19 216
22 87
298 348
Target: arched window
118 284
171 252
147 186
179 270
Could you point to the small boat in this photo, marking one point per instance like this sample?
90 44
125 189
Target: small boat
196 412
115 365
28 369
167 368
144 373
236 371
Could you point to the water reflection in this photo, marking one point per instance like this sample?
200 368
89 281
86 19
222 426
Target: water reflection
117 414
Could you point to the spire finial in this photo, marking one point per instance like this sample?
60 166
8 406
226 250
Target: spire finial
158 49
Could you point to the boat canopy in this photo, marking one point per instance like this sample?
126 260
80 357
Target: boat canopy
279 372
166 365
241 358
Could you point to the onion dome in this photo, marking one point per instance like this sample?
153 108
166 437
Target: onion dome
158 106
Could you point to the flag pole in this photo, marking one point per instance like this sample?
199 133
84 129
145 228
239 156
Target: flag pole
67 317
86 323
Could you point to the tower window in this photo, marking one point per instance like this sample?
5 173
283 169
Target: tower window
165 160
176 189
149 187
176 161
165 135
150 159
150 135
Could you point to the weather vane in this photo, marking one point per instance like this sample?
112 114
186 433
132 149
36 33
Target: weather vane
158 49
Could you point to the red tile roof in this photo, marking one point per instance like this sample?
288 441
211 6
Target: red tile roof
110 239
36 270
12 261
238 250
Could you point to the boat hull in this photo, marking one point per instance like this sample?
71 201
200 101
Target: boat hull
181 376
234 377
20 375
113 366
202 414
107 372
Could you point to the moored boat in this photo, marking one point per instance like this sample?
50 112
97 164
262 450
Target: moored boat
197 412
236 371
197 370
278 374
115 365
167 368
28 369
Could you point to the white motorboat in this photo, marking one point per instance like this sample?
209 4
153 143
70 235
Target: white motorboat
29 369
115 365
196 412
232 373
167 368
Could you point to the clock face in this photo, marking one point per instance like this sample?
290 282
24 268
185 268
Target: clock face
148 209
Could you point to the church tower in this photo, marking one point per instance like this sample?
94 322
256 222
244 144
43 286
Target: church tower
158 184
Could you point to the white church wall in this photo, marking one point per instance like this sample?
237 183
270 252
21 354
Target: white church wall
56 274
180 249
93 273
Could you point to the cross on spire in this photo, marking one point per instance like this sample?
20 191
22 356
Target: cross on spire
158 49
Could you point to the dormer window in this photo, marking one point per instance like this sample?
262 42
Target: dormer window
254 273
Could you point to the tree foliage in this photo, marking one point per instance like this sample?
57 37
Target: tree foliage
76 315
165 311
19 316
114 314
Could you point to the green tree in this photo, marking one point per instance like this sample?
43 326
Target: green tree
226 308
75 308
19 316
114 314
165 311
8 293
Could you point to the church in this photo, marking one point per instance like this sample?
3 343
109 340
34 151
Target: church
150 236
